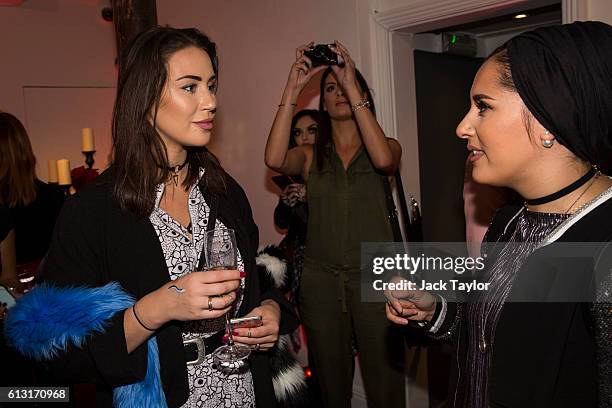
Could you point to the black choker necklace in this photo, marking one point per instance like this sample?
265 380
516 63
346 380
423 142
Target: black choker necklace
564 191
175 172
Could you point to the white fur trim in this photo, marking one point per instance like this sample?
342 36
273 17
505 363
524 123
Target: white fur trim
289 381
283 343
275 267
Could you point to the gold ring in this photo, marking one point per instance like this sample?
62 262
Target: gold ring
210 306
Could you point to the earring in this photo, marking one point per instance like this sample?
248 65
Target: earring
547 143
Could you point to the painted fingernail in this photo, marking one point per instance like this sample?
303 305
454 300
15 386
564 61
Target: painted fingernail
225 339
242 274
235 333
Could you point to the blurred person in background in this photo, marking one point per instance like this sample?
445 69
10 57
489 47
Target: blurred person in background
33 205
291 213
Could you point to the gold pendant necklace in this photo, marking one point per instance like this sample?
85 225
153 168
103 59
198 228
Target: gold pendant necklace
175 175
175 170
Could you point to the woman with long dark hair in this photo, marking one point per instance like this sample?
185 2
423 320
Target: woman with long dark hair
291 212
131 313
540 124
345 173
33 206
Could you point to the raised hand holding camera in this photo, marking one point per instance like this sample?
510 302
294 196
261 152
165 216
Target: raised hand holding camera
345 72
321 54
301 72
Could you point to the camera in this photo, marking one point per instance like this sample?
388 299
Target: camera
320 54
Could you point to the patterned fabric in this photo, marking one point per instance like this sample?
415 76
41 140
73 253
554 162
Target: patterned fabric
209 387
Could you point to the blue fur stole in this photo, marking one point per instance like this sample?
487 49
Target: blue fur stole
48 319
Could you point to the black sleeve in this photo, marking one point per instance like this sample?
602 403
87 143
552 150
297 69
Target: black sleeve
289 320
282 215
448 329
76 258
6 222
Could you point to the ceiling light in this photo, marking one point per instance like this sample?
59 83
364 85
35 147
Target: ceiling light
519 16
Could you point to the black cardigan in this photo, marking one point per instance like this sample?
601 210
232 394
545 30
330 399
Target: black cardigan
544 354
95 243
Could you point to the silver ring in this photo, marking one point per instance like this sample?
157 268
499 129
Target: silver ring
257 347
210 306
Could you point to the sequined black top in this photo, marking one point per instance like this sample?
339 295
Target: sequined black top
477 319
531 228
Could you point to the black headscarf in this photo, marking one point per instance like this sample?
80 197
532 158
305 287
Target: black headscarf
564 76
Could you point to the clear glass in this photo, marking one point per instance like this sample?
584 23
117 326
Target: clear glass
220 250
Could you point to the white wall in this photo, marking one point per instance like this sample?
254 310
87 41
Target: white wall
599 10
53 48
257 41
50 49
65 45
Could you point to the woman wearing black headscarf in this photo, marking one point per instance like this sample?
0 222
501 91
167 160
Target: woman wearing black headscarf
540 123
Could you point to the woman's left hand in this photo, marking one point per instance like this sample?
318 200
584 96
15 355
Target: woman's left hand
302 195
265 336
346 72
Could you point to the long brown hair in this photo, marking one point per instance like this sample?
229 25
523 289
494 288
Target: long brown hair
139 154
324 137
17 163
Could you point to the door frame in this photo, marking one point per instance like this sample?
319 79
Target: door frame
391 32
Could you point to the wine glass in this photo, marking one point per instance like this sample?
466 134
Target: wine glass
220 251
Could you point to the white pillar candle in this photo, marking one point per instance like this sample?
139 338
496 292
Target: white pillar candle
63 172
87 140
52 171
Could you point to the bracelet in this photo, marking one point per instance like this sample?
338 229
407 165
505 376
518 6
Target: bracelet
292 104
361 104
138 319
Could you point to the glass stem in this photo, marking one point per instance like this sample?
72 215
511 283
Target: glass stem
230 330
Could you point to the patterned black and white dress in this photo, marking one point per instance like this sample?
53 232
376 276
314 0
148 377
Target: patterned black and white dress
209 387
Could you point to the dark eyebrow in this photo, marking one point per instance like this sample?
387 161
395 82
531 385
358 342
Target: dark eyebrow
480 97
195 77
212 78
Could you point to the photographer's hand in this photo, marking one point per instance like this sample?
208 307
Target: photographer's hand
277 156
301 72
385 153
346 73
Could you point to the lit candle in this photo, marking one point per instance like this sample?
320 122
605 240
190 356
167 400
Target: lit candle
87 139
52 171
63 172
